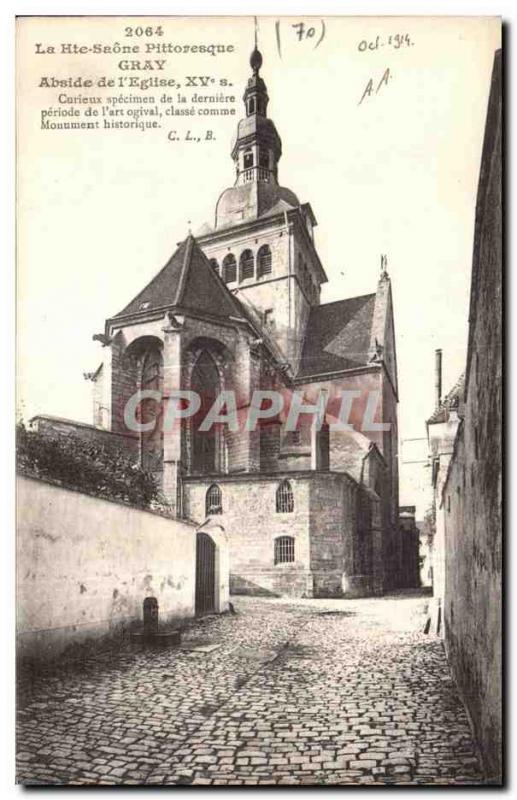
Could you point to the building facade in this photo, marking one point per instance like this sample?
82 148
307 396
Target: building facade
467 432
311 511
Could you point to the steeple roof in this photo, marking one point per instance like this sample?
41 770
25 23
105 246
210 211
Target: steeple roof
189 281
256 150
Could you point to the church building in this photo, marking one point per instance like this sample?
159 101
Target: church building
308 512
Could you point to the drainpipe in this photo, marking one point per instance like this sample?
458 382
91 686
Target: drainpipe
438 377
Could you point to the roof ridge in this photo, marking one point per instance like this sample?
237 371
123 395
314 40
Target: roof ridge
149 282
345 299
184 270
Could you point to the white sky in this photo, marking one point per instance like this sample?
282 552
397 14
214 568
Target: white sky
100 213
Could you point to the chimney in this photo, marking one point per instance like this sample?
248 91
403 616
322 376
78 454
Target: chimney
438 377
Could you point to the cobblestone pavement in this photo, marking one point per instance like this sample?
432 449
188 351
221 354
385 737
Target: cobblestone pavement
294 692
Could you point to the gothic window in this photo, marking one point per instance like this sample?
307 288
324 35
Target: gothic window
284 498
284 549
151 377
214 500
214 264
229 268
205 444
264 260
248 159
246 265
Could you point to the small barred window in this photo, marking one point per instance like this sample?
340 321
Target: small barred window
284 550
214 500
284 498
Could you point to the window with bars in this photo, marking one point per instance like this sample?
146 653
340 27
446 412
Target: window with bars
284 550
264 261
246 265
214 264
284 498
229 268
214 500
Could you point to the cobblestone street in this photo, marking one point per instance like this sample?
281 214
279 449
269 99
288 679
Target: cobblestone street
282 692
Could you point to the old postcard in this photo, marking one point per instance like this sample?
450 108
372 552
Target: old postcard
259 401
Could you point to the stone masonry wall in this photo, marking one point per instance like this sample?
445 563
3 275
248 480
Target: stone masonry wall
472 497
252 524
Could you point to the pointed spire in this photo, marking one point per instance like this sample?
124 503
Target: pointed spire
384 267
256 56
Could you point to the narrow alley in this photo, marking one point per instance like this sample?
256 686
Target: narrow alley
281 692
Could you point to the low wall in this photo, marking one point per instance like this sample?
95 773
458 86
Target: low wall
122 443
85 565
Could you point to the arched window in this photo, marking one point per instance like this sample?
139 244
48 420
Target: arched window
205 444
214 264
229 268
284 498
251 105
151 377
264 260
284 549
214 500
246 265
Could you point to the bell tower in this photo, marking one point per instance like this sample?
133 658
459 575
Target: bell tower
262 243
258 147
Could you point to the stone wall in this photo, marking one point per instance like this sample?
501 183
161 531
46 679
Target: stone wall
123 443
333 534
85 565
252 524
331 519
472 495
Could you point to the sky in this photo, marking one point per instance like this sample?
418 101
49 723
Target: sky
100 212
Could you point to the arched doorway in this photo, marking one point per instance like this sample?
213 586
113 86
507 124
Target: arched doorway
205 574
205 444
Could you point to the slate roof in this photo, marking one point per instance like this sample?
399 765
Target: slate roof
337 336
454 399
186 280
